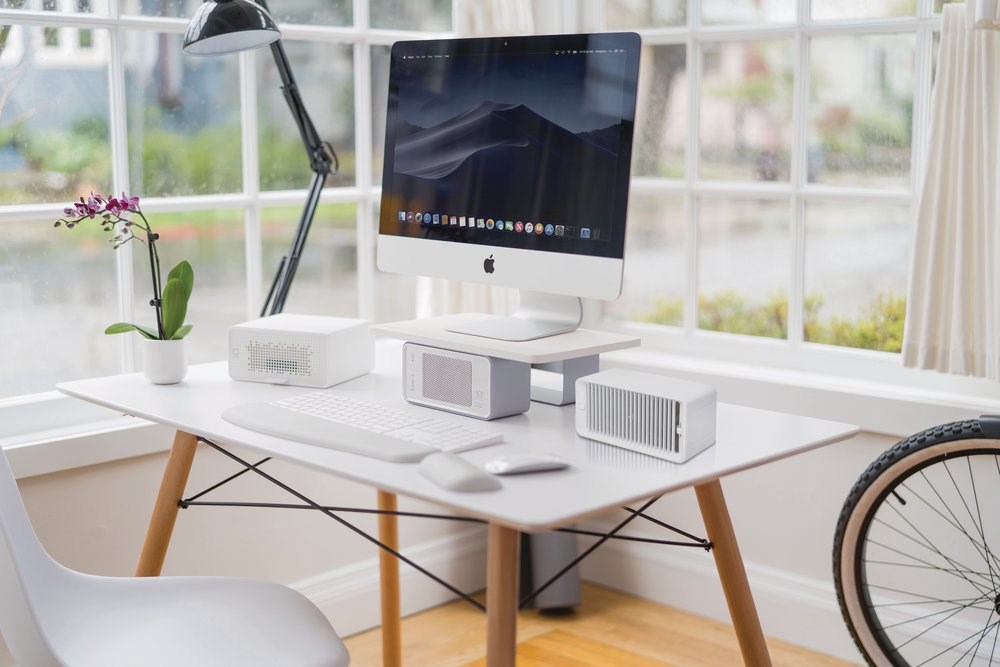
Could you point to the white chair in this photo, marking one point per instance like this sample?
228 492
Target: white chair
50 615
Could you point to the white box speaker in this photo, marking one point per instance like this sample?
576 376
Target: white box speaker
656 415
469 384
300 350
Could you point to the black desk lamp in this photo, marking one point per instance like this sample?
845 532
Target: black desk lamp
228 26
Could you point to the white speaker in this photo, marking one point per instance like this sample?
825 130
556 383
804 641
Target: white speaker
469 384
300 350
652 414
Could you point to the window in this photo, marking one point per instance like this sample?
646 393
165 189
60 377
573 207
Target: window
101 98
778 151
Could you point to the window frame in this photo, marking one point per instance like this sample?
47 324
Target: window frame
20 422
792 353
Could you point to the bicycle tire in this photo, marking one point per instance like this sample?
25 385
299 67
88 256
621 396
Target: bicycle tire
872 506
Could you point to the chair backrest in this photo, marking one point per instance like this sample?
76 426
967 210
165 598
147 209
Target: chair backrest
28 577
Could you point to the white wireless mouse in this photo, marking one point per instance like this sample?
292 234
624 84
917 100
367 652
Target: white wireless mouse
520 462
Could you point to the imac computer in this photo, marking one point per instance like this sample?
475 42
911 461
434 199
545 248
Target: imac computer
507 163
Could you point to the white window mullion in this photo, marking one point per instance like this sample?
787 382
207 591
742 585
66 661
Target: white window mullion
363 148
253 241
800 179
363 173
118 129
692 163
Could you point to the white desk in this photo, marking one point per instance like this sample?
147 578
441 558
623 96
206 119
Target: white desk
601 478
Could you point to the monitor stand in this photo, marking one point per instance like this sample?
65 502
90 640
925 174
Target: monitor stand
538 315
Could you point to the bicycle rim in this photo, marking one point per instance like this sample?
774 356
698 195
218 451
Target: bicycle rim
919 567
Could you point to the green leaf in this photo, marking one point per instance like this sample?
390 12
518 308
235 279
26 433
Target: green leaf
183 331
175 298
185 274
123 327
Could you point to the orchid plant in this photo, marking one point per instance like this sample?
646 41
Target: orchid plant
123 216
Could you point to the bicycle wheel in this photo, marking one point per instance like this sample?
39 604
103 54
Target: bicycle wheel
916 554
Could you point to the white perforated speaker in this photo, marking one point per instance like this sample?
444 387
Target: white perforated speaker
301 350
656 415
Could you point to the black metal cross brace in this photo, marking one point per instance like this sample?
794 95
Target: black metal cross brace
332 512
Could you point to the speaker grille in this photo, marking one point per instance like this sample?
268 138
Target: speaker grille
633 418
447 379
278 358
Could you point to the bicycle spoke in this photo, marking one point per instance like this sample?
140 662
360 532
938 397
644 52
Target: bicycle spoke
961 601
929 544
921 567
954 646
965 504
979 513
972 660
926 616
985 596
956 572
980 548
926 630
929 548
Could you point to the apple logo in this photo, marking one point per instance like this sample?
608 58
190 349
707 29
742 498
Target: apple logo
488 264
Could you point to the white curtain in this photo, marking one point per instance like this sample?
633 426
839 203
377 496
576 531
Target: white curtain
443 297
953 304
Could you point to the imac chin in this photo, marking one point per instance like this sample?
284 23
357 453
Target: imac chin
507 163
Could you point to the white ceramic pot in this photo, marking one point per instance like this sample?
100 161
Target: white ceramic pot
163 361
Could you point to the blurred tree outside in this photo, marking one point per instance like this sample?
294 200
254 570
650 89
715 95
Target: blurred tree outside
878 326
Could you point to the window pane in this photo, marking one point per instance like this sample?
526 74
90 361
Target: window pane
380 99
857 261
57 294
326 282
170 8
939 4
861 109
746 94
212 241
645 13
748 11
743 267
54 138
183 118
325 77
655 261
661 124
66 6
312 12
854 9
411 14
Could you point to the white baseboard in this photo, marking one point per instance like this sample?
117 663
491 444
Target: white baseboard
797 609
349 596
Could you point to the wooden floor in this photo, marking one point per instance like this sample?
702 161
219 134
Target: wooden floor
608 630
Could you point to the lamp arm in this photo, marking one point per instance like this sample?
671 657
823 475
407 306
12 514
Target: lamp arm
322 158
323 162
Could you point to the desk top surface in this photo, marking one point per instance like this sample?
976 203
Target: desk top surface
600 478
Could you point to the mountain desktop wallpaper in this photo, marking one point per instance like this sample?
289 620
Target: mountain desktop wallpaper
523 136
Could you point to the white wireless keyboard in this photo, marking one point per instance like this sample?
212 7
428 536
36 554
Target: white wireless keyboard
347 424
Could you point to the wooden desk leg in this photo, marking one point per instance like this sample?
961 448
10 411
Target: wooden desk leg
161 523
388 534
729 563
502 559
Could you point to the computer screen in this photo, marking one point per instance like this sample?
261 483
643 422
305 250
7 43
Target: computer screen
507 160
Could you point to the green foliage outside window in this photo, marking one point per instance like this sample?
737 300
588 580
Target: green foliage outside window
878 326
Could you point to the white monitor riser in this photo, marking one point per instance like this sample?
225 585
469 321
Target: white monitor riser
557 361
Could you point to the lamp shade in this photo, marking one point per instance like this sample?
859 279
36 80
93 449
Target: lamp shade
227 26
